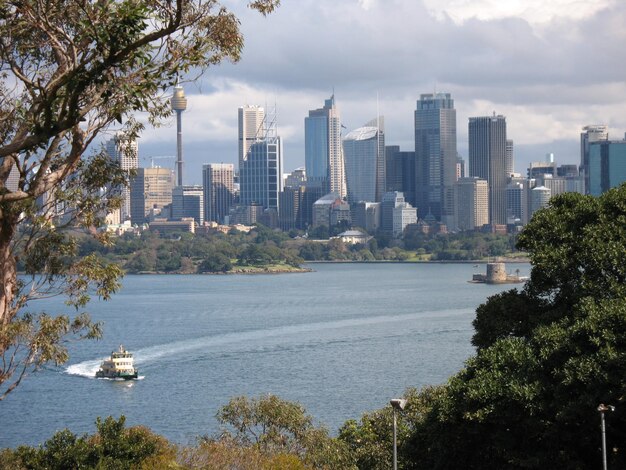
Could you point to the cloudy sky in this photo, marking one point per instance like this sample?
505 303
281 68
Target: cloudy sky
549 66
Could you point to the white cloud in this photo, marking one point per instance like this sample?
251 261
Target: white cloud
533 11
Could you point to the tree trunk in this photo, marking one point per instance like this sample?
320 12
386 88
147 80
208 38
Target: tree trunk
8 266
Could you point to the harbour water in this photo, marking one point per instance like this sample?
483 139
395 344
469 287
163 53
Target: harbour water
341 340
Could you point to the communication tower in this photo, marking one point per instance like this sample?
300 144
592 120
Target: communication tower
179 104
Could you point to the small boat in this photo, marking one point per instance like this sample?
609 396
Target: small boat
119 366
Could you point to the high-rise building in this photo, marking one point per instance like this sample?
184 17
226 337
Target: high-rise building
218 184
590 134
367 215
179 104
487 160
125 152
509 159
435 156
607 165
188 201
323 152
296 178
261 176
364 158
539 198
251 120
150 192
472 203
400 172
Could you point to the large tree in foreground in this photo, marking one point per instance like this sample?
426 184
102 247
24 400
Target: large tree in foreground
70 70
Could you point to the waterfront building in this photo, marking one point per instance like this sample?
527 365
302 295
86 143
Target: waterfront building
188 201
487 160
400 172
590 134
607 165
219 191
364 158
435 156
323 152
250 120
472 203
124 151
150 192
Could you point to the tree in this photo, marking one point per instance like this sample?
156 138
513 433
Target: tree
72 69
547 356
277 427
113 447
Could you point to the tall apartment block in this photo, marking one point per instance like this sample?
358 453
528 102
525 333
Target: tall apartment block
218 184
323 152
364 158
590 134
435 156
251 120
472 203
150 192
125 152
487 160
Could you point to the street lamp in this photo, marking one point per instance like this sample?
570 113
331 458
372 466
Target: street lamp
397 404
602 408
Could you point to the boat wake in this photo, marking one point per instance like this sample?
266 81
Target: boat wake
219 341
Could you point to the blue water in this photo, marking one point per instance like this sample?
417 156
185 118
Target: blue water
341 340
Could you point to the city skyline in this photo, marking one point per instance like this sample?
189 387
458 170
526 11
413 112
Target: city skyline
551 69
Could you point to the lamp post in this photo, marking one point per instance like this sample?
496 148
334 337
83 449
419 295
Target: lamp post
397 404
602 408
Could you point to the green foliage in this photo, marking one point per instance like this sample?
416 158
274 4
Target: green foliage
214 263
275 426
113 447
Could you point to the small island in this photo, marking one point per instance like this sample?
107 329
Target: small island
496 274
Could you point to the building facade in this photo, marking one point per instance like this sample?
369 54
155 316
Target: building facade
435 156
219 190
188 201
400 172
487 160
150 192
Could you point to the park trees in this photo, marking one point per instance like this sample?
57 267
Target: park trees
70 70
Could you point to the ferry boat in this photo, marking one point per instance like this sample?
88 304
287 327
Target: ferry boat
119 366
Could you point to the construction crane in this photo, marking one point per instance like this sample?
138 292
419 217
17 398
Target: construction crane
158 157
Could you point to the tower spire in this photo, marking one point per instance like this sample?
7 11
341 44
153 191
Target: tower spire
179 104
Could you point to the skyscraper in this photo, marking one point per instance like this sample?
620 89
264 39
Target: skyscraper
261 176
218 186
125 152
188 201
364 159
590 134
487 160
323 152
179 104
435 156
472 203
250 128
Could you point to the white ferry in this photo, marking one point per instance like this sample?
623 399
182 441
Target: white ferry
119 366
